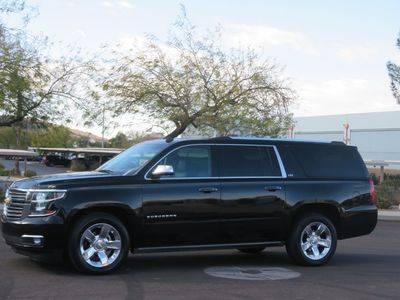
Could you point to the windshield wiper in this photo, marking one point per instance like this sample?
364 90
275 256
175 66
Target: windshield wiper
106 171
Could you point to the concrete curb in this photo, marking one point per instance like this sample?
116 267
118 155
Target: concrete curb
389 215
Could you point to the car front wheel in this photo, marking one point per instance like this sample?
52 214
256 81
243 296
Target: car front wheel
312 241
98 244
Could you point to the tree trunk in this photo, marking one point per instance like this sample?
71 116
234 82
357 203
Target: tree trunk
177 131
180 128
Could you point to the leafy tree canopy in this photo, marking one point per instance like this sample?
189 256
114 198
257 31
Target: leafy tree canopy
194 81
394 74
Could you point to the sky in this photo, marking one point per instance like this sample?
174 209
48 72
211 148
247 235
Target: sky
334 52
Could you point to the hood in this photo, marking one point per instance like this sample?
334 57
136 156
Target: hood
65 180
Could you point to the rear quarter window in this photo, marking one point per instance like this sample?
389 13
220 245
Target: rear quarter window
329 161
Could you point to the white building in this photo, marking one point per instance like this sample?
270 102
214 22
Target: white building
377 135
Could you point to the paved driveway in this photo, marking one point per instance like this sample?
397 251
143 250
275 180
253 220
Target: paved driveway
363 268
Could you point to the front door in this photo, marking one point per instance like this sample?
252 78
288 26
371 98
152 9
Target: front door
252 193
182 209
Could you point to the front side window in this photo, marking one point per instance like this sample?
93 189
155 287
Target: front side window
189 162
248 161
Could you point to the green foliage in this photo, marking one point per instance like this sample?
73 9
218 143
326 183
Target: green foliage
4 172
52 136
32 84
374 178
120 140
388 191
201 85
30 173
2 167
394 74
78 166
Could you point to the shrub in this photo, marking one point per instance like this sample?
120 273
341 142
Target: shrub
2 167
4 172
374 178
30 173
388 192
78 166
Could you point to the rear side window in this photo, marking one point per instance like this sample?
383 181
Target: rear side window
329 161
248 161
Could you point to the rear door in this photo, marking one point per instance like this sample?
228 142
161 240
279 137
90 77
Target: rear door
252 193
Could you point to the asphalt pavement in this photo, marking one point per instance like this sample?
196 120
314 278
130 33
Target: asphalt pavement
363 268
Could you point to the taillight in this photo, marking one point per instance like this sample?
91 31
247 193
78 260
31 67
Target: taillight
372 191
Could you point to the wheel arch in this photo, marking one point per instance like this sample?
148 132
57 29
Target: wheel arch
329 210
121 212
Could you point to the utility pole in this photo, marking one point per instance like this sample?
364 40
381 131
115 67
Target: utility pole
103 125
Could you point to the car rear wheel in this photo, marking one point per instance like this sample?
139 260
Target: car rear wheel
312 241
98 244
252 250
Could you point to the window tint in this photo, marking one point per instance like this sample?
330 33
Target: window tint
248 161
329 161
190 161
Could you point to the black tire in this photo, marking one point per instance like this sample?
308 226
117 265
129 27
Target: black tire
293 243
80 227
252 250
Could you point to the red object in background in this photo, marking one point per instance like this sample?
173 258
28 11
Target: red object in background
372 191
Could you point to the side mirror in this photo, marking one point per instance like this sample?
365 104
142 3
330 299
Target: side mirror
162 170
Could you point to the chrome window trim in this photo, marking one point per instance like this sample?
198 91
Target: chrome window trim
278 157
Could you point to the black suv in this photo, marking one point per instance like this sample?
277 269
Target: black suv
217 193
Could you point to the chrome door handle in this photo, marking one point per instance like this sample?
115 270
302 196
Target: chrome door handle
273 188
208 190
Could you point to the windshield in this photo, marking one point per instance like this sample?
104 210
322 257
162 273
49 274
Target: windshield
133 158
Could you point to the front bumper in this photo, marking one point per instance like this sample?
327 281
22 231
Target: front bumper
35 235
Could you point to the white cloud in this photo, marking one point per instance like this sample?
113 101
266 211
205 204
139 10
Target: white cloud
357 52
81 33
126 4
344 95
266 36
118 4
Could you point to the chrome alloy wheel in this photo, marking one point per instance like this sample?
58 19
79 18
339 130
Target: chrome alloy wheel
316 240
100 245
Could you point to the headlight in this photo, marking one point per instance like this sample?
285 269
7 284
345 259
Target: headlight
6 201
42 200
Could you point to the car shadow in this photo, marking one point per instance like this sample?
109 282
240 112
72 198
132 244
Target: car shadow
160 263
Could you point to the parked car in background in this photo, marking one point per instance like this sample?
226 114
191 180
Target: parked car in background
219 193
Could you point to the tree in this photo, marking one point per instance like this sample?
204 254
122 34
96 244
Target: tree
120 140
32 84
394 74
51 136
201 85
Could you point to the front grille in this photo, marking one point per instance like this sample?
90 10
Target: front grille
15 208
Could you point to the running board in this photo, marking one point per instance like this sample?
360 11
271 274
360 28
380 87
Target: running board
206 247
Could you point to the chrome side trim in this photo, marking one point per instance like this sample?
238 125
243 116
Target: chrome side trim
207 247
32 236
278 157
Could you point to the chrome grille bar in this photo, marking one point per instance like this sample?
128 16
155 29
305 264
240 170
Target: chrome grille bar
14 209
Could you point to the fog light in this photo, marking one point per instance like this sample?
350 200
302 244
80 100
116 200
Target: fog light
32 240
